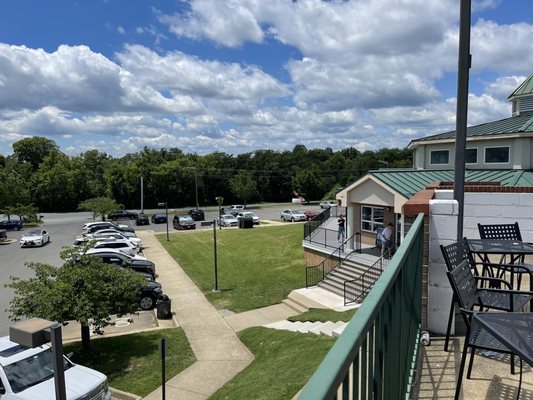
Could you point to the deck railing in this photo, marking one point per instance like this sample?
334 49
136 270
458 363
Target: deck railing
356 289
375 356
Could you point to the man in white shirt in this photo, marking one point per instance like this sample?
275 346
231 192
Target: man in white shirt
386 236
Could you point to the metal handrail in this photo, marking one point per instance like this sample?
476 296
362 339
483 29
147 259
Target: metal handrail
377 353
316 273
365 282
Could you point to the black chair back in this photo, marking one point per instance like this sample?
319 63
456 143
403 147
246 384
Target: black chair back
500 231
464 285
455 253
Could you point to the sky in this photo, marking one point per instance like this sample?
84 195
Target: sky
241 75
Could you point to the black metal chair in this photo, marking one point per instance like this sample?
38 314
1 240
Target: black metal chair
517 265
454 254
468 296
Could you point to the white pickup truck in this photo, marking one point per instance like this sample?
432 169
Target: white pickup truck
28 374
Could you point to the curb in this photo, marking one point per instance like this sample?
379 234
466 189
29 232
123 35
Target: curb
119 394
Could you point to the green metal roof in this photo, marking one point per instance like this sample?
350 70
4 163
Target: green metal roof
524 89
517 124
409 182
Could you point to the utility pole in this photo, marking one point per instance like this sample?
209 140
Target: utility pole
142 195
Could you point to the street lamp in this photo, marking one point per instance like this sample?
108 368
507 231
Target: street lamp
166 214
35 332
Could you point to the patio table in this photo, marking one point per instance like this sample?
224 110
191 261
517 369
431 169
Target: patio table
512 329
515 249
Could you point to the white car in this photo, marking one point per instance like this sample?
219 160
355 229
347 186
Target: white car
328 203
116 235
293 215
248 214
228 220
27 373
123 244
35 237
128 235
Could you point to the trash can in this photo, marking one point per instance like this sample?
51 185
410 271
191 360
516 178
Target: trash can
248 223
163 306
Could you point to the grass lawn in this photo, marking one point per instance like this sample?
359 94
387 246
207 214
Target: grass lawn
131 362
284 362
256 267
324 315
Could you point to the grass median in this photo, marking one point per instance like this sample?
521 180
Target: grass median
256 267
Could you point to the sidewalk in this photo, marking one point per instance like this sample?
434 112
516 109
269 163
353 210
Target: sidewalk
220 354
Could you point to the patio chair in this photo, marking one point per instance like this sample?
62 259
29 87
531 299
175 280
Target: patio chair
507 232
468 296
454 254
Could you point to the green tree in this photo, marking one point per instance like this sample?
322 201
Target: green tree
83 290
243 186
99 206
308 183
33 150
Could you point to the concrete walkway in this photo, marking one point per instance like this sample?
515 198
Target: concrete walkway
220 354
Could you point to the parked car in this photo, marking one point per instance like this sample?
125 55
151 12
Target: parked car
328 203
310 214
197 214
248 214
34 238
182 222
293 215
117 257
87 225
11 224
28 373
142 219
228 220
119 235
122 214
159 218
128 235
150 292
237 208
107 225
112 243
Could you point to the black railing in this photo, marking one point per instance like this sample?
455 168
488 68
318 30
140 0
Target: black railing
356 289
316 273
314 223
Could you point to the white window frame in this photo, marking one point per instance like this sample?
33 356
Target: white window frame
374 224
477 154
434 151
497 147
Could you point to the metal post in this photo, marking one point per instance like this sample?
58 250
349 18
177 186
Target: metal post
215 254
196 185
163 355
166 214
462 111
142 195
57 354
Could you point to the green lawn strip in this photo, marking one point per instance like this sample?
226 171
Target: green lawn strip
131 362
256 267
324 315
284 362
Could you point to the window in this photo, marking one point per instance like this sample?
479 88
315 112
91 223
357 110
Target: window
371 218
439 157
471 156
497 155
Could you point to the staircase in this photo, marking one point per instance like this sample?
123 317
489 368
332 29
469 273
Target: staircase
347 271
318 328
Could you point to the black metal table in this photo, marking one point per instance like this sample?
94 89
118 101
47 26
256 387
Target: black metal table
512 329
515 249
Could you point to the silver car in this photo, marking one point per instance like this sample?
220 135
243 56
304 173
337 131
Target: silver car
228 220
293 215
35 237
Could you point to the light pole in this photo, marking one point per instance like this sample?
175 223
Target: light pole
166 214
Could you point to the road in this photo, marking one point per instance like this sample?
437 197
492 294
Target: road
63 228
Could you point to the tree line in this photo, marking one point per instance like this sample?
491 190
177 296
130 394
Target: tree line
37 174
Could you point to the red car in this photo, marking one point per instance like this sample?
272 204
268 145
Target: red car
310 214
183 222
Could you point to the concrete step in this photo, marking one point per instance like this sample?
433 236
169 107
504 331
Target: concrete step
338 331
318 328
294 305
304 301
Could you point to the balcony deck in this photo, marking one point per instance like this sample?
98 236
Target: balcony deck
491 375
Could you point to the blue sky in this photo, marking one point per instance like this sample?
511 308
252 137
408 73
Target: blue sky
240 75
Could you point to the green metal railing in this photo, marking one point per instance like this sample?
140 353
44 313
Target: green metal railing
375 357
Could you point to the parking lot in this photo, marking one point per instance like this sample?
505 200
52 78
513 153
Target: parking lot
63 228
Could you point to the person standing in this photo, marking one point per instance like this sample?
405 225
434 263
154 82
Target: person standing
341 229
387 242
